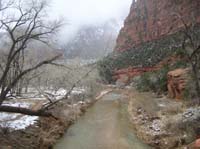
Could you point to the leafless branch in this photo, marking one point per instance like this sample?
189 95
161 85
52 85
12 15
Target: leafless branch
60 65
49 105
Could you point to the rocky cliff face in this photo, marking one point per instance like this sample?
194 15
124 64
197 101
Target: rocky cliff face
154 19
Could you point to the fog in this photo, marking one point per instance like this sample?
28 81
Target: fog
77 13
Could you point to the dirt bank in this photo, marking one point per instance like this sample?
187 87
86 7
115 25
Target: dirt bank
47 131
162 122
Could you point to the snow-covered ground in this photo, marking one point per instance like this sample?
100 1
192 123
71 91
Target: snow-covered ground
34 94
6 117
77 90
19 121
18 104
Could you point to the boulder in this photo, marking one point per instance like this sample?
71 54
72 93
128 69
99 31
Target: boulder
177 80
196 144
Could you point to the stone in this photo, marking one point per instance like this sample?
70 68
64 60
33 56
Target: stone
177 80
197 144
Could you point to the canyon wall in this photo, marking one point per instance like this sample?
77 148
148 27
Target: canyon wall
150 20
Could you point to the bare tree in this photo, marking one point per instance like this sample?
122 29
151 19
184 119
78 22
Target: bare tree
191 46
191 43
27 25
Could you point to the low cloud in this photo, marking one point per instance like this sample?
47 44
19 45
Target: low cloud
83 12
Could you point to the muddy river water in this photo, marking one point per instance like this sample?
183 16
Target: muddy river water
104 126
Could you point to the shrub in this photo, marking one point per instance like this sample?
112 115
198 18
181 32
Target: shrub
190 91
153 81
105 69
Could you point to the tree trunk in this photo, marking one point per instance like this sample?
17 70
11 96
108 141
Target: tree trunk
19 87
27 85
197 86
24 111
2 97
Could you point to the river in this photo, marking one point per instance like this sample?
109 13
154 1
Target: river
104 126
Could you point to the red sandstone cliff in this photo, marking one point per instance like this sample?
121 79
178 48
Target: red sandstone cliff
153 19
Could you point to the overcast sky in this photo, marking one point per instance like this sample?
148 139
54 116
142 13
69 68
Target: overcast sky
81 12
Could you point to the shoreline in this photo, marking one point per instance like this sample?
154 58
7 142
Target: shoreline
45 133
162 122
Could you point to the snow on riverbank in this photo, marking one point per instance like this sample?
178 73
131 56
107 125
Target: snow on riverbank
16 121
18 104
20 123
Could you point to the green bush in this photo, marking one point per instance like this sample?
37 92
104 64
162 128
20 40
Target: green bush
190 90
105 69
157 81
153 81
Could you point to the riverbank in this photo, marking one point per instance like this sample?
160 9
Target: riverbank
44 133
47 130
158 121
162 122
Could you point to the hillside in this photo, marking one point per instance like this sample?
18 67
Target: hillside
153 31
151 20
